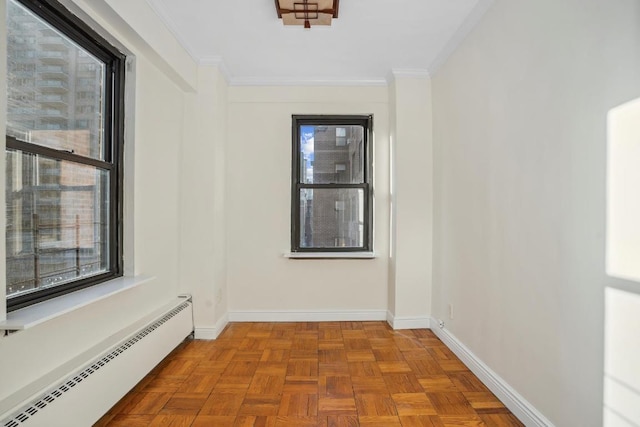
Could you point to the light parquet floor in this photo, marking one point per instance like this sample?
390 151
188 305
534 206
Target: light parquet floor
327 374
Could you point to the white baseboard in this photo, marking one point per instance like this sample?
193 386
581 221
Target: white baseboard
211 333
397 322
306 316
517 404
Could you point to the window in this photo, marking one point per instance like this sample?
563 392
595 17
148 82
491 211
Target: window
63 162
332 196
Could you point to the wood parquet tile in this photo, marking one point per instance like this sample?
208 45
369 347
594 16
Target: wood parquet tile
324 374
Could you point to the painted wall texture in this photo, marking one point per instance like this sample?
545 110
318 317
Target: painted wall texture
520 116
153 234
260 278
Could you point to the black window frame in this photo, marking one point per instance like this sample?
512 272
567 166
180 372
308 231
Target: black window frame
59 17
298 121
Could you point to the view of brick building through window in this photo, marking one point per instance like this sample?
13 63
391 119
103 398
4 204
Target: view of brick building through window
57 210
332 217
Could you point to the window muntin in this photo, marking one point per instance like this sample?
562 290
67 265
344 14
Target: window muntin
331 188
64 154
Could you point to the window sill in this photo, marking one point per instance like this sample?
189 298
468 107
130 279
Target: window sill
36 314
330 255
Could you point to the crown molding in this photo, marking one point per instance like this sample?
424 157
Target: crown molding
407 73
171 26
216 61
410 72
259 81
470 22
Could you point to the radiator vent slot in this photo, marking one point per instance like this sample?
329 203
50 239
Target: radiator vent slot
68 383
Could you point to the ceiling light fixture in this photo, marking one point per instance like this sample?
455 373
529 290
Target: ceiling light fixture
305 12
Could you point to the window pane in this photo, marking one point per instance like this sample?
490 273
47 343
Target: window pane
331 154
331 218
54 87
57 222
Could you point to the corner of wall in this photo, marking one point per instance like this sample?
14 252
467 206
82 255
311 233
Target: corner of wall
476 15
203 213
411 153
516 403
146 31
213 332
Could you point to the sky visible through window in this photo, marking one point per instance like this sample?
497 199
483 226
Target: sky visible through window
306 144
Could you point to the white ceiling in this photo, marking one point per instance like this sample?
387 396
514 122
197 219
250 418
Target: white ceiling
368 40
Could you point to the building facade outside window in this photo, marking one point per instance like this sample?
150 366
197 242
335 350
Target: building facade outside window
65 92
332 195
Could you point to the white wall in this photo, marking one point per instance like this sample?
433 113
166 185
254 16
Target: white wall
520 152
410 268
202 197
623 180
258 191
29 355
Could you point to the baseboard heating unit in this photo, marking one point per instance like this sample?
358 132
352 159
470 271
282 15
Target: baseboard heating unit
82 397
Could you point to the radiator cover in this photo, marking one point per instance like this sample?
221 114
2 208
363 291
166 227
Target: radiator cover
81 398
